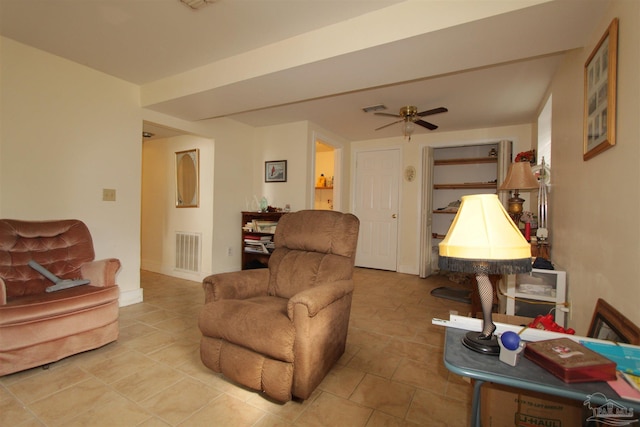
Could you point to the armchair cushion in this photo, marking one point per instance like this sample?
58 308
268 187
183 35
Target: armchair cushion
260 324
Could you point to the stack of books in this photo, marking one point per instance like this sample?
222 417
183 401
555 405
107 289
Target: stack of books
258 244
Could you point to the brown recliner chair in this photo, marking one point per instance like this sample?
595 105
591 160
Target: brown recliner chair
39 327
281 329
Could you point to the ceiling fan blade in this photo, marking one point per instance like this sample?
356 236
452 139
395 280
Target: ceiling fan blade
392 123
434 111
427 125
387 114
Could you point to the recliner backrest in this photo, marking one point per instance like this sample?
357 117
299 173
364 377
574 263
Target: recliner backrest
60 246
312 247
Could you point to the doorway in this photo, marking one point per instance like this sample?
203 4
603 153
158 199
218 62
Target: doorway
325 171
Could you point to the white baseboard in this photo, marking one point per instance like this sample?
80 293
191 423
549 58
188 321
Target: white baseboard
130 297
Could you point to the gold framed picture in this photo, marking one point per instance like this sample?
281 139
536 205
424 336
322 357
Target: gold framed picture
600 75
188 178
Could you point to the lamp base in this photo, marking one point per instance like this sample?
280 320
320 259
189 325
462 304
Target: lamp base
484 346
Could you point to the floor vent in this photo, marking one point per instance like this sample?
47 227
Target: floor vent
188 251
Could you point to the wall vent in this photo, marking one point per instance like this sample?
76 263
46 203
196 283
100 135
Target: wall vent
188 251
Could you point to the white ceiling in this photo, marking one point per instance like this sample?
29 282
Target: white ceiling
488 61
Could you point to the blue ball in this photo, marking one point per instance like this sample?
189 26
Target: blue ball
510 340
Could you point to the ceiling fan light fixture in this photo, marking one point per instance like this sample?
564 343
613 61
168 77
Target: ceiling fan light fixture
408 127
196 4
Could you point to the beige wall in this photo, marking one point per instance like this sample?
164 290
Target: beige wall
594 234
226 184
68 132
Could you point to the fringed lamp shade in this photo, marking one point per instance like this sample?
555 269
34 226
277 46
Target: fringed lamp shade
484 240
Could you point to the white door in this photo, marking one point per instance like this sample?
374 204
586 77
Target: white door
376 205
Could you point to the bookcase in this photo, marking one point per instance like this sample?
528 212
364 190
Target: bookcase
258 229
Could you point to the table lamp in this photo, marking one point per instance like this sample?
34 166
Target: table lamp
519 177
483 240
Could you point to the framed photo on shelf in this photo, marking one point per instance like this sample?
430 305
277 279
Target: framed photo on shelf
600 75
275 171
609 324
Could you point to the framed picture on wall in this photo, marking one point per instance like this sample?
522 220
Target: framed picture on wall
600 74
188 178
609 324
275 171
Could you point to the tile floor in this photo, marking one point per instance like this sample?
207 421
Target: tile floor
391 374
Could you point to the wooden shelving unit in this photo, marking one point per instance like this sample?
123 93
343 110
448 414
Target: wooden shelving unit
465 161
466 186
249 258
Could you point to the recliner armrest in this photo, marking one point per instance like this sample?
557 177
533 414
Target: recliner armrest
236 285
320 296
101 272
3 292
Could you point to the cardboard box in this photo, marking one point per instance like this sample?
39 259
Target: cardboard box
504 406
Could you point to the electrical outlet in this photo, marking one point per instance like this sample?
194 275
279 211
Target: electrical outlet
229 253
108 195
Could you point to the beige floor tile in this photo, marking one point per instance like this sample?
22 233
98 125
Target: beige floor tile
57 409
383 395
380 419
47 382
429 408
225 411
342 381
151 342
117 412
177 402
422 374
375 362
118 367
147 382
330 410
13 413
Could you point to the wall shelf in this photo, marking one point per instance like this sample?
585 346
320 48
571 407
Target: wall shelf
465 186
465 161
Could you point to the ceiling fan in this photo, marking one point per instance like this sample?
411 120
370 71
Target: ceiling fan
410 115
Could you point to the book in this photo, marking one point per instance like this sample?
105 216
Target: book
257 237
626 356
633 380
625 388
570 361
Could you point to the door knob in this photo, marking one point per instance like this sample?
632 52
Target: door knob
394 216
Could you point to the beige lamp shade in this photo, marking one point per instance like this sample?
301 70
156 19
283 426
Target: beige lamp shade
519 177
483 233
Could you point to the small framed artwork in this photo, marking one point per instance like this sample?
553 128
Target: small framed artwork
600 75
609 324
275 171
187 178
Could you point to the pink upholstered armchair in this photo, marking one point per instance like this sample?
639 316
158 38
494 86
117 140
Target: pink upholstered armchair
39 327
280 330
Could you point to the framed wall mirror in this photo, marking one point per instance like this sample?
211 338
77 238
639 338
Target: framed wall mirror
609 324
187 178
